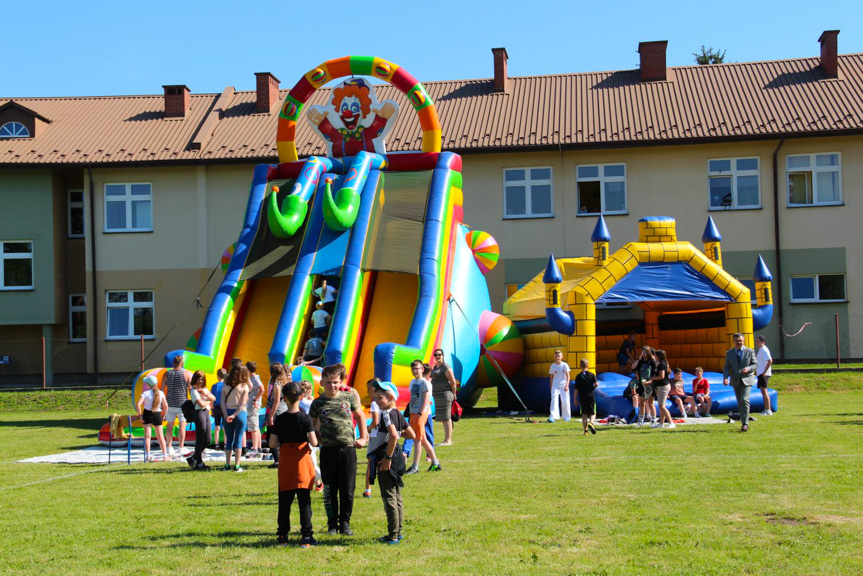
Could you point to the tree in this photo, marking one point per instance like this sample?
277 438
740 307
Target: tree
709 56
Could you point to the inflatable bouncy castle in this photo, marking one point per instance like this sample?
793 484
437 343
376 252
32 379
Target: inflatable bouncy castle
385 230
682 301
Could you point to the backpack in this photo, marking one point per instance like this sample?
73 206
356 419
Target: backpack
188 408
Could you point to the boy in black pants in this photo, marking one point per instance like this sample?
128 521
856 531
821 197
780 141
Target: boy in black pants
293 435
386 461
331 415
585 384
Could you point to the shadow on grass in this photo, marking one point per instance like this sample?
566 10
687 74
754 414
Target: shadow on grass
225 539
851 423
91 424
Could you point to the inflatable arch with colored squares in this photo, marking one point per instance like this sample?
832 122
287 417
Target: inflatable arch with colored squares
387 231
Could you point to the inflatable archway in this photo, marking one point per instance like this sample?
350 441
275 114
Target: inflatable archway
350 66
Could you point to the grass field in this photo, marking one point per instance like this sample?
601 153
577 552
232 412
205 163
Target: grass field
514 498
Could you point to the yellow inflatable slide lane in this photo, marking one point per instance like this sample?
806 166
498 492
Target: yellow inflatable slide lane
258 324
389 321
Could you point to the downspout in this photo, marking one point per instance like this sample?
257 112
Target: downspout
777 247
93 274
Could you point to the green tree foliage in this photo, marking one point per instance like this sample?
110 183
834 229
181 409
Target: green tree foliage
709 56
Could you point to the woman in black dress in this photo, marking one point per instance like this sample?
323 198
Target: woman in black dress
443 391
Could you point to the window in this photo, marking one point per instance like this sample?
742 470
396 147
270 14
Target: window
527 193
733 183
818 288
601 189
14 130
130 314
814 179
16 272
76 213
77 317
128 208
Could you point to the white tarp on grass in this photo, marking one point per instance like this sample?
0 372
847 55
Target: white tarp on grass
99 455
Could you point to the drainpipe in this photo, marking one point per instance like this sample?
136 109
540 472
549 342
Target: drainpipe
777 247
93 274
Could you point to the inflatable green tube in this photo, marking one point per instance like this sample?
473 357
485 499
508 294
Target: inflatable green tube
340 213
284 223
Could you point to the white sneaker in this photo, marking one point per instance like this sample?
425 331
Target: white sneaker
656 425
672 426
551 420
767 413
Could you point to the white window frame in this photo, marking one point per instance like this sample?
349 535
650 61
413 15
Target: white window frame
814 170
603 180
131 306
15 130
817 299
733 174
70 205
527 183
77 308
16 256
127 198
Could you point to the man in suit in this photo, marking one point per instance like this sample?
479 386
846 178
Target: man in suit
740 369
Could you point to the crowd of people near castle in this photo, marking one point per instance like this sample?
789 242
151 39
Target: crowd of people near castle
654 383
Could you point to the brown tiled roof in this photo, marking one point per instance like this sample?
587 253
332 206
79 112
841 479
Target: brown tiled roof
697 103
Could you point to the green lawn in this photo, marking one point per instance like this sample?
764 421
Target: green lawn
514 498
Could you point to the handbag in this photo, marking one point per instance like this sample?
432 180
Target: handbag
456 411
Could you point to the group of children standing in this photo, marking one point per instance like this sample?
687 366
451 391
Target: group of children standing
651 381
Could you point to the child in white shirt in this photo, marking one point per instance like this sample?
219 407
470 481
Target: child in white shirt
558 382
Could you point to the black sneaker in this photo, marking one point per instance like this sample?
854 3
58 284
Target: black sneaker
283 540
346 530
202 467
273 465
332 531
191 461
591 428
222 446
308 542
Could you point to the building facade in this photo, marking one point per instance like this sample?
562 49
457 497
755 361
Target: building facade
117 210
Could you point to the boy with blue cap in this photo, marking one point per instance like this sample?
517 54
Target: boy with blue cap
386 460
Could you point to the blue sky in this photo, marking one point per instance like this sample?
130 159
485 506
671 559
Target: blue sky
126 47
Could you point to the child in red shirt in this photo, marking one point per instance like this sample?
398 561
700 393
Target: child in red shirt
701 392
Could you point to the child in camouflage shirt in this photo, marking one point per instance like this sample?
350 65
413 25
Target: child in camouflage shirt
331 414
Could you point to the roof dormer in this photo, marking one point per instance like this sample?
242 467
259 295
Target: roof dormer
17 121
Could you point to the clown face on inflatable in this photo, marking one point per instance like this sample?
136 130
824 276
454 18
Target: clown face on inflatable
360 123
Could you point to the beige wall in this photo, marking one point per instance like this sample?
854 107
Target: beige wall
197 213
667 181
174 293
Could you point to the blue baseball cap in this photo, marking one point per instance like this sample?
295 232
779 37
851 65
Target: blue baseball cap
389 388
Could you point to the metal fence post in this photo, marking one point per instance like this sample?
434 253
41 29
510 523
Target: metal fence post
838 360
142 352
44 375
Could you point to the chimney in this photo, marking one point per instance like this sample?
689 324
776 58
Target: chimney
500 77
176 100
829 53
267 91
652 61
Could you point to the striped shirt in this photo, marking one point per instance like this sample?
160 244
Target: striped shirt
175 384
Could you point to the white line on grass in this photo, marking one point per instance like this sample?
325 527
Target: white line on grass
4 488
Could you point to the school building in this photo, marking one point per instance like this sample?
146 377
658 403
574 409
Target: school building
116 210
